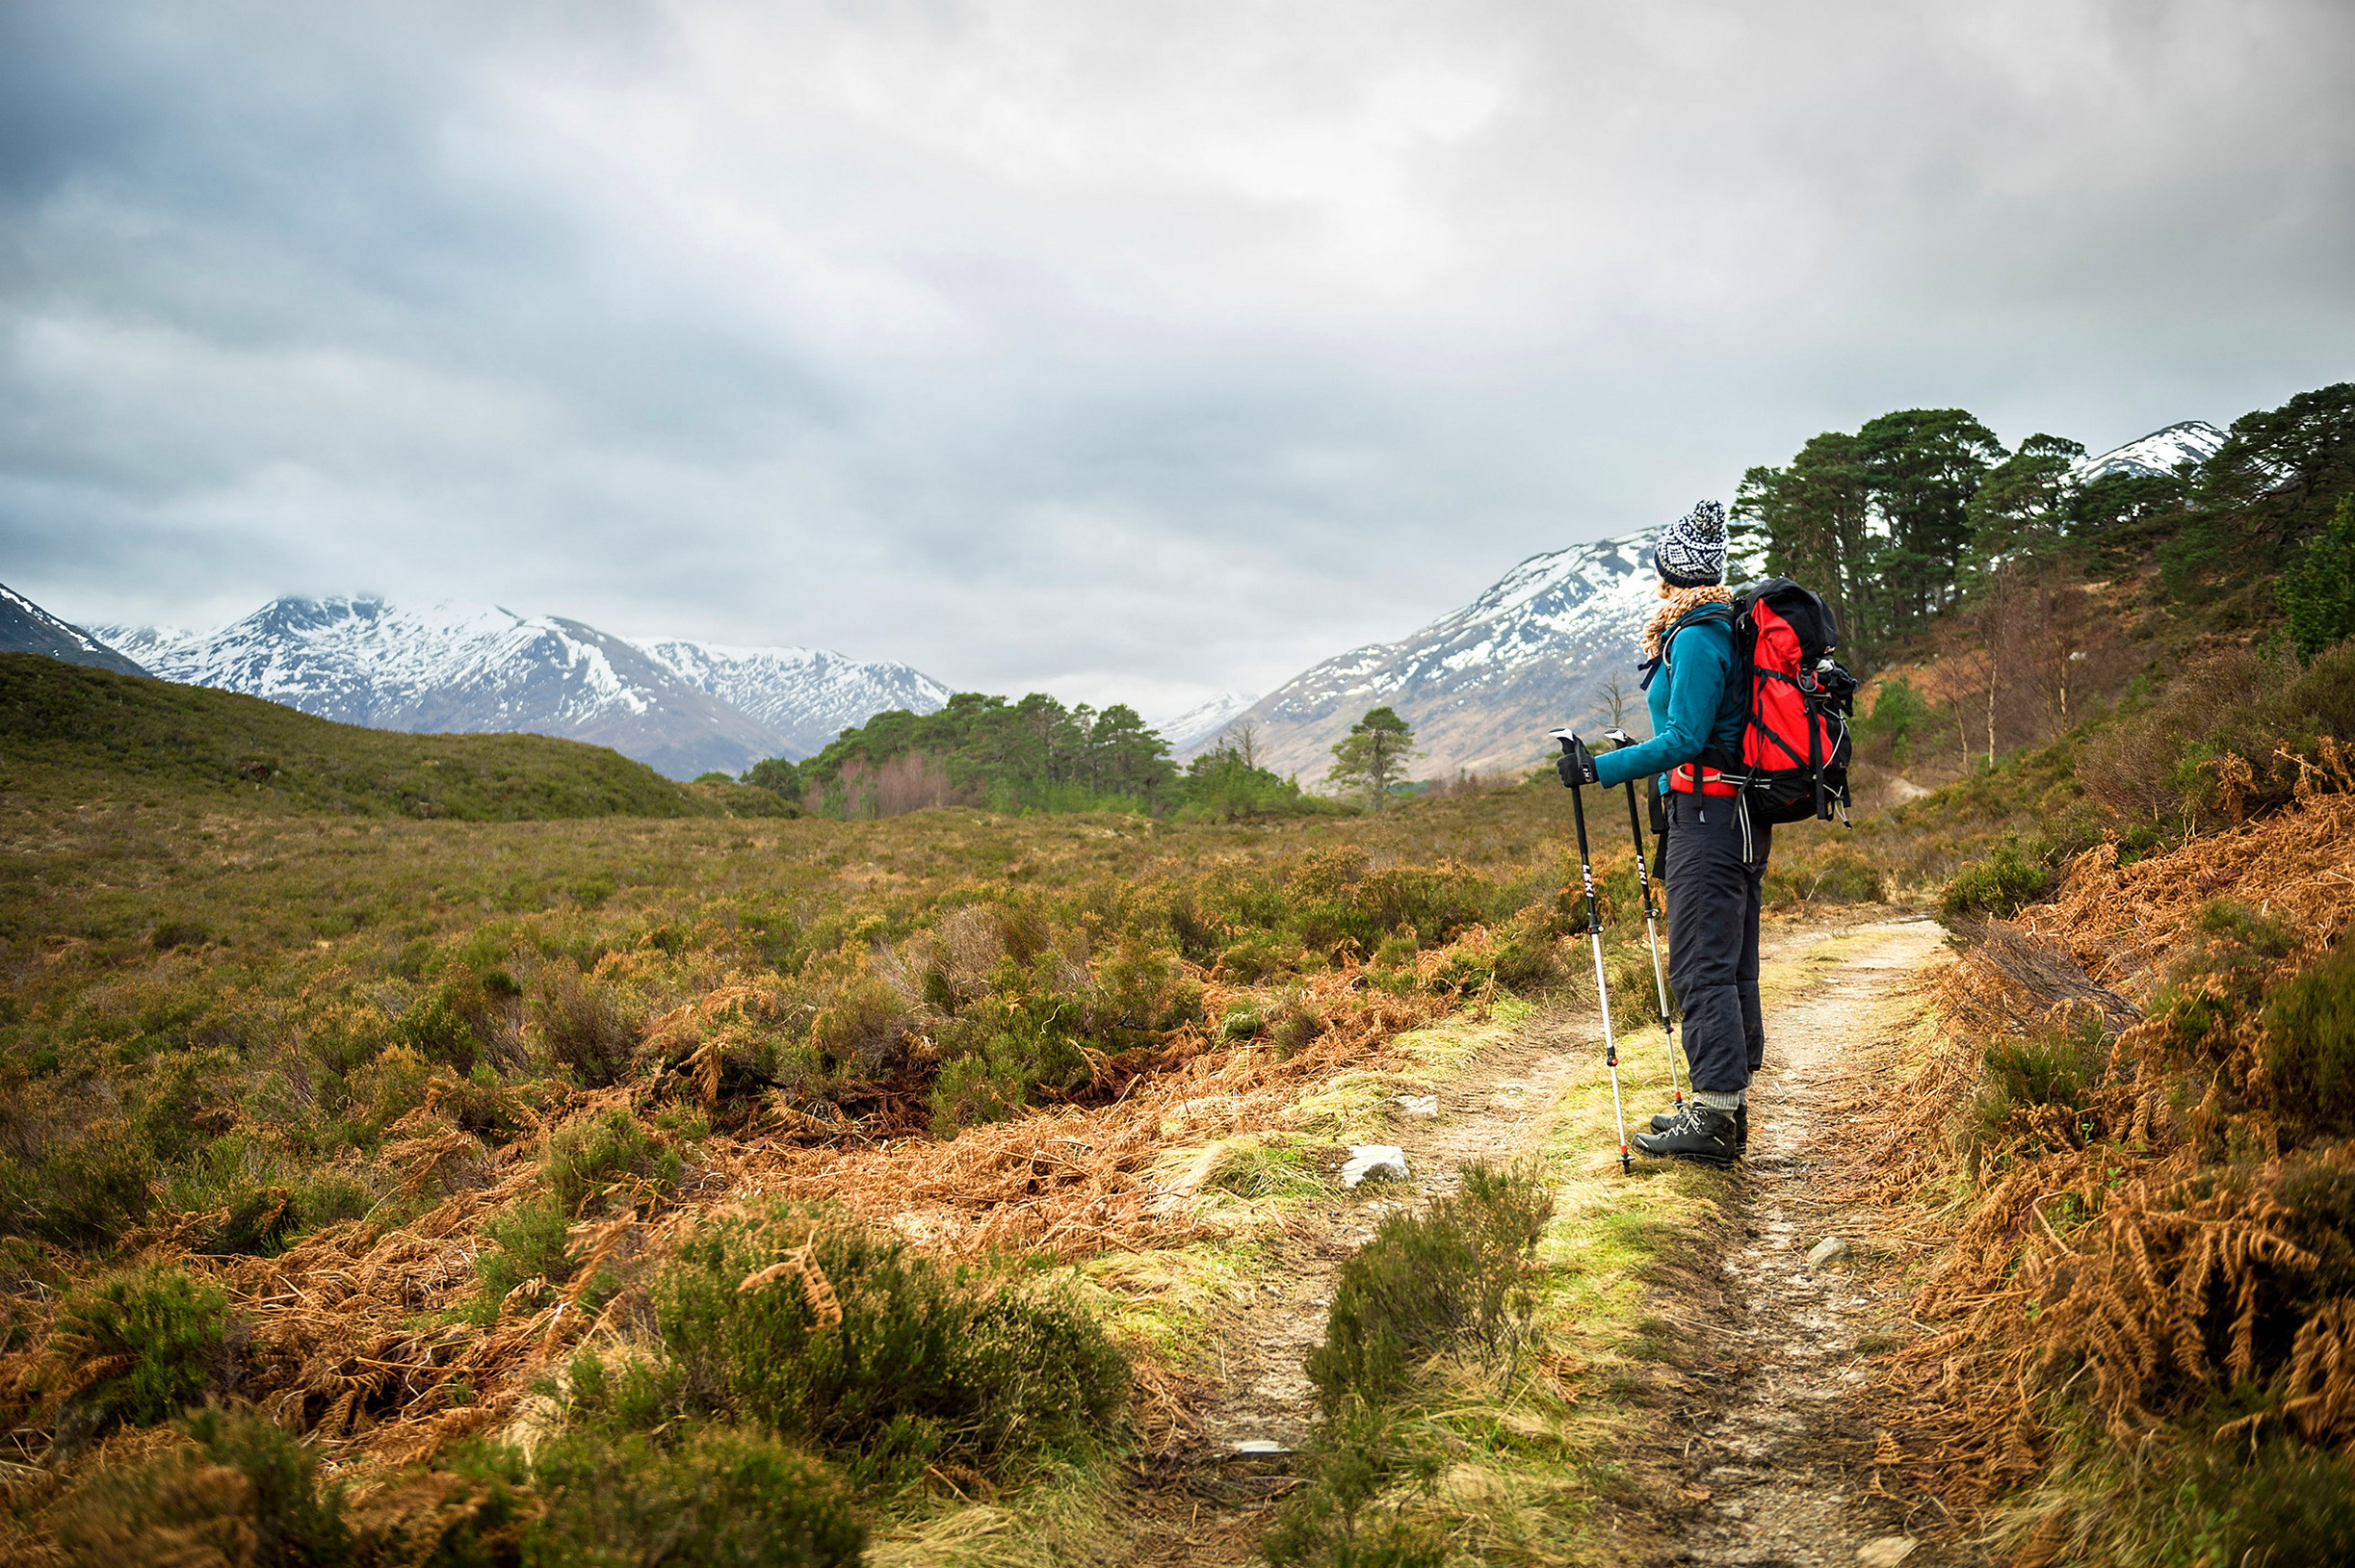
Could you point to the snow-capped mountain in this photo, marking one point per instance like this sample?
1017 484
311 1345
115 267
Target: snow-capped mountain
1483 685
2191 441
806 695
475 667
1194 729
25 627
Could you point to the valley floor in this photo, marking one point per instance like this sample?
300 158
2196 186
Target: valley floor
1710 1386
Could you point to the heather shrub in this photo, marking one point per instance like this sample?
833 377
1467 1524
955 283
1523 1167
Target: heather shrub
590 1158
2309 1045
1451 1278
1332 1523
241 1492
2282 1505
720 1498
923 1363
2058 1065
81 1190
2233 951
1998 887
585 1025
526 1241
141 1346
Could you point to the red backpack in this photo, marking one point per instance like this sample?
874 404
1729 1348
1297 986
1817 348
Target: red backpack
1794 739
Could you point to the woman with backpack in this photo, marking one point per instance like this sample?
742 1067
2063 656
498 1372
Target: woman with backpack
1698 691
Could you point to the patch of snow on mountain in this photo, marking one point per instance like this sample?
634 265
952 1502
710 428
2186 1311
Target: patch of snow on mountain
1480 684
2162 452
1204 722
808 695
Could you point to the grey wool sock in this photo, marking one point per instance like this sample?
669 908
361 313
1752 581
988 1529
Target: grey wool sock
1727 1101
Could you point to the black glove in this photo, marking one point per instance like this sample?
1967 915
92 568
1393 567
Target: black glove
1576 764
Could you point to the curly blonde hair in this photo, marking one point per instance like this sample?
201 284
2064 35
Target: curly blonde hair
1674 603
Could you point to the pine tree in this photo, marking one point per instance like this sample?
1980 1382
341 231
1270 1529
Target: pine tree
2318 592
2021 508
1813 519
1373 756
1923 465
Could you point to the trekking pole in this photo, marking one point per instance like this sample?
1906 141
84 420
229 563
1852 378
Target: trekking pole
1651 928
1594 930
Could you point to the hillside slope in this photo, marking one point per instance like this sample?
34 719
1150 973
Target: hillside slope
66 730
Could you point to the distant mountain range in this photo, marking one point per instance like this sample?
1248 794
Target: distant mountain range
682 707
1481 686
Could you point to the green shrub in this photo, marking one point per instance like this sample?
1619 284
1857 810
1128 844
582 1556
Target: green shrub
2051 1067
82 1190
243 1488
590 1158
158 1341
925 1364
1450 1279
2316 591
266 1199
2210 989
527 1241
1998 887
1899 713
2309 1045
721 1497
1325 1524
585 1025
2284 1506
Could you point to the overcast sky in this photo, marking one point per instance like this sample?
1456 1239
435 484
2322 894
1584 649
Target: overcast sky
1126 350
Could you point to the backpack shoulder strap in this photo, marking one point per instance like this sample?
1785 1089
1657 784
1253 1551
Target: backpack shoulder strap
1715 615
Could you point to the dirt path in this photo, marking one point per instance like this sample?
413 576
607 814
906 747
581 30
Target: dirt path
1769 1461
1211 1512
1777 1432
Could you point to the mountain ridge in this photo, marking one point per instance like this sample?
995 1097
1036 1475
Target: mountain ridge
1481 684
25 627
679 706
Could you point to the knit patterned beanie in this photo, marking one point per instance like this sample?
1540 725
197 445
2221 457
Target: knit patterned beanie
1691 550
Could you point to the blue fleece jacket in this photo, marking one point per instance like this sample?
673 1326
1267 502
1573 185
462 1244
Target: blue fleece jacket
1694 699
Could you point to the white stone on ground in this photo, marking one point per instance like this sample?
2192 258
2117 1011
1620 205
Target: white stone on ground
1382 1162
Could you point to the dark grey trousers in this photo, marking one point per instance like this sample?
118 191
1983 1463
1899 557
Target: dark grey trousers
1714 868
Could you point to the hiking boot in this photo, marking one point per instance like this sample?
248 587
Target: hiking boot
1742 1124
1700 1135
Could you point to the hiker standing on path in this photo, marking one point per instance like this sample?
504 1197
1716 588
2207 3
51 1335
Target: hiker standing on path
1716 852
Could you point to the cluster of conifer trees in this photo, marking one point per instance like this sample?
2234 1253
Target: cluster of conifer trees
1914 513
1033 754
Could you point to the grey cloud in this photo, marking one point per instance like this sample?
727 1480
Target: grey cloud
1119 349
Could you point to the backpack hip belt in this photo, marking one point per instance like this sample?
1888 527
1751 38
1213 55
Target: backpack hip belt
1709 782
